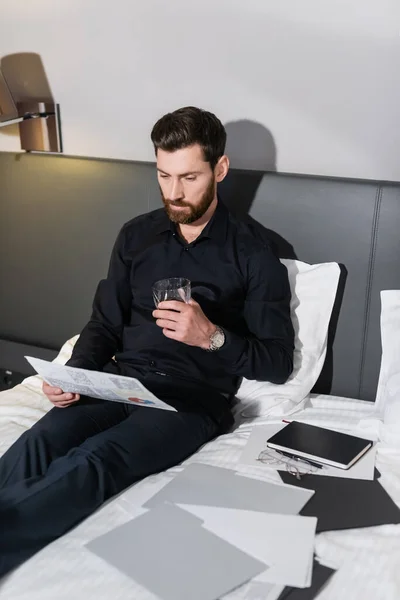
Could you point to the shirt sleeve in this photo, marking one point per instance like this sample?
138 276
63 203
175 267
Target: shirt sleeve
266 353
102 336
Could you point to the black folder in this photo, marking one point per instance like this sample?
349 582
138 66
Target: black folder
341 503
320 577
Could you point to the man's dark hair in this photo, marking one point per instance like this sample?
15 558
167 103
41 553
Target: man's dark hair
188 126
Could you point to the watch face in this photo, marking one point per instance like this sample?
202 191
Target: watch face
218 339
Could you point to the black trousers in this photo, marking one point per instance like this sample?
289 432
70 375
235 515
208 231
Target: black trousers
74 459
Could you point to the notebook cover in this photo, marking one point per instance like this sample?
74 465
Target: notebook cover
340 503
318 442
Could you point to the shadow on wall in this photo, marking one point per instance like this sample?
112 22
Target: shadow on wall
252 151
251 146
27 81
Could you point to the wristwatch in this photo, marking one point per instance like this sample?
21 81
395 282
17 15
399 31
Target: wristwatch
217 340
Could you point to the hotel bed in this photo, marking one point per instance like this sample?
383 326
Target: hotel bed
366 559
52 253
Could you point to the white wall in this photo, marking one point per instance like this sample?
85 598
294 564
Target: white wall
321 75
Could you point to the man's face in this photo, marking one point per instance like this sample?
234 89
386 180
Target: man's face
187 183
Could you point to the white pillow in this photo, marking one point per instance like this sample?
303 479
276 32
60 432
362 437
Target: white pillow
387 403
66 351
313 290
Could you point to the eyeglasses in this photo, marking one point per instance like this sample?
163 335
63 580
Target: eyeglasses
295 466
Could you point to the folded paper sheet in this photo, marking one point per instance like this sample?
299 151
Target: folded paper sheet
284 542
206 485
169 552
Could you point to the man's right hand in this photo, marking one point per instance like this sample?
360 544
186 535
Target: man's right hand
58 397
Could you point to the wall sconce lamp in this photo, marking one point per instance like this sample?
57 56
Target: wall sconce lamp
39 122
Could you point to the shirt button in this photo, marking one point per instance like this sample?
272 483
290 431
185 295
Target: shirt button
152 363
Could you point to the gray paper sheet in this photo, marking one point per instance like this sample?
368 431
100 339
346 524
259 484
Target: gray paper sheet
215 486
169 552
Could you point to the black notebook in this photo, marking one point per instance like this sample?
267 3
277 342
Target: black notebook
319 444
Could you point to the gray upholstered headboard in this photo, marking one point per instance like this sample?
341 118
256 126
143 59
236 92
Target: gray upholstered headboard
59 217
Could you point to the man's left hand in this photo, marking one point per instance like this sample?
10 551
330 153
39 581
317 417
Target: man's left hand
184 323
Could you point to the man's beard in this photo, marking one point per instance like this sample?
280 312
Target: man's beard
195 212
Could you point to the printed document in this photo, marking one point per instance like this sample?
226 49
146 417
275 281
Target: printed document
96 384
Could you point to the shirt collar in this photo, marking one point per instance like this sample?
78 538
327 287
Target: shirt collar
165 224
215 229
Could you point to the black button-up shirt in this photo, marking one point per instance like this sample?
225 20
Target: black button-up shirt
235 277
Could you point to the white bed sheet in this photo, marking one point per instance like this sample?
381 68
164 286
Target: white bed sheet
367 559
